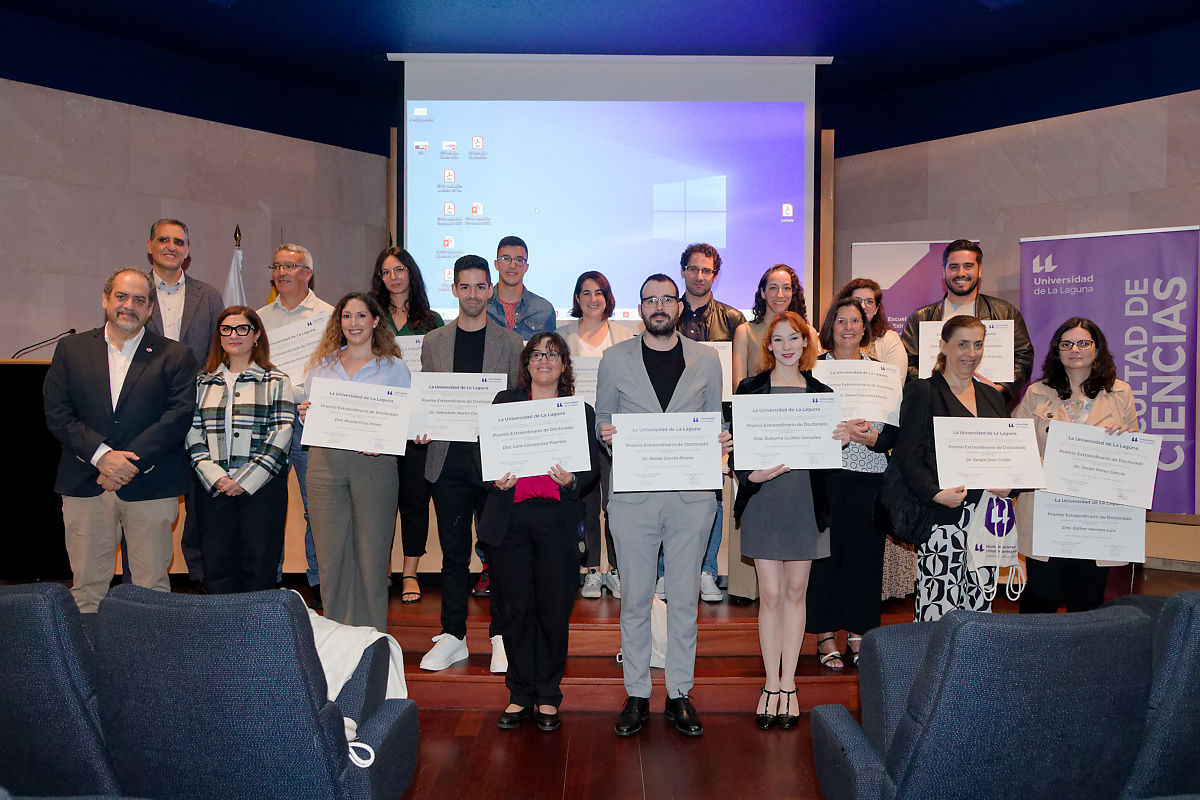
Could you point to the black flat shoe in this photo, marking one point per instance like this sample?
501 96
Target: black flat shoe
547 722
785 719
511 719
682 713
633 716
766 721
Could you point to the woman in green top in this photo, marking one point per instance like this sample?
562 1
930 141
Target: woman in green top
397 285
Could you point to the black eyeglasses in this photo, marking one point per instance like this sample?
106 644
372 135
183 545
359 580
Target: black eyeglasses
1082 344
240 330
285 267
539 355
520 261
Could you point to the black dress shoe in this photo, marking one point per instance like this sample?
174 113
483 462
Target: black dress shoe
511 719
680 711
547 722
633 716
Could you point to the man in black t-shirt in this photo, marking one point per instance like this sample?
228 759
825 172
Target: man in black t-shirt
659 371
470 343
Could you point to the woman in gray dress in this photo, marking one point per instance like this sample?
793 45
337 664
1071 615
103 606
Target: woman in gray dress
780 513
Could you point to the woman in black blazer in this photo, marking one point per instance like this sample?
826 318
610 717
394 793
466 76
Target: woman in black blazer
532 526
953 390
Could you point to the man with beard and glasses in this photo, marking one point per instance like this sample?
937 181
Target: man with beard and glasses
962 268
659 371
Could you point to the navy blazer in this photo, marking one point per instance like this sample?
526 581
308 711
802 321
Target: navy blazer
152 416
493 524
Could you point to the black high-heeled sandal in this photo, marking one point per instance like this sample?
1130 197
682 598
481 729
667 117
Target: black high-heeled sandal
827 659
851 651
785 719
765 721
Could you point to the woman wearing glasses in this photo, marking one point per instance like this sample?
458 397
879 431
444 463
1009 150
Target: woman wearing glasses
352 496
399 289
844 588
1079 384
238 444
590 336
531 525
779 290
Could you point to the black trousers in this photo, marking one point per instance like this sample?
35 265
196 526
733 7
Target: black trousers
413 500
1075 581
844 590
595 501
241 537
535 571
459 495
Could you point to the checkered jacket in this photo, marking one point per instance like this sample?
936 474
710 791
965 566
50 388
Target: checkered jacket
264 414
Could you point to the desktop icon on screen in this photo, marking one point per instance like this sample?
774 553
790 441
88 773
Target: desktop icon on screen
787 210
448 176
420 111
476 142
420 145
449 145
447 241
448 209
476 208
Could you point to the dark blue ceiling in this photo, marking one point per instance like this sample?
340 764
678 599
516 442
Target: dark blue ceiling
902 71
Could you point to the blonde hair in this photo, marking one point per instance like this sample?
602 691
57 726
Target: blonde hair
962 321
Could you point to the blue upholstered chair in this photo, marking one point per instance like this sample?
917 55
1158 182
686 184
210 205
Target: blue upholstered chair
1169 760
223 696
992 706
50 739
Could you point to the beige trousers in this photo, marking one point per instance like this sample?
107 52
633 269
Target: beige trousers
94 527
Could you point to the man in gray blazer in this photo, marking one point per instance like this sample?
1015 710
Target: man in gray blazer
659 371
186 312
471 343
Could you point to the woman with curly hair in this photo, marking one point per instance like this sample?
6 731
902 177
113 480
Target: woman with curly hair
885 344
778 291
352 496
1079 384
397 285
531 525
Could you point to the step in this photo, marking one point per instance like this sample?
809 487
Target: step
595 683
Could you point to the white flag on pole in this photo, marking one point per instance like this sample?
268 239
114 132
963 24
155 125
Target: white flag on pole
235 290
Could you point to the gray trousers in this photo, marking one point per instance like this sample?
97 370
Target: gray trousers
352 507
680 522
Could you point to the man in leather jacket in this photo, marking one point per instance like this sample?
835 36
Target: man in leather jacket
962 269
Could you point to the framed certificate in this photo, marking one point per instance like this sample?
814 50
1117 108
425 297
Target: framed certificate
1084 461
666 452
446 405
791 429
999 361
357 416
527 438
987 453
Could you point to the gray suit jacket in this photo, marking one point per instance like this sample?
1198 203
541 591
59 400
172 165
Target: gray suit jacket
202 304
501 353
623 387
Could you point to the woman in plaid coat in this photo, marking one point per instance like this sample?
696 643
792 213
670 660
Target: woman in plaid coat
238 444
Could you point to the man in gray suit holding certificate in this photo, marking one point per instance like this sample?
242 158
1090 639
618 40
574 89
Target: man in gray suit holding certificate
656 372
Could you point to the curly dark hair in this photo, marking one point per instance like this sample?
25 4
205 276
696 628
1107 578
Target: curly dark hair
566 381
1104 368
704 250
420 318
826 335
879 324
760 301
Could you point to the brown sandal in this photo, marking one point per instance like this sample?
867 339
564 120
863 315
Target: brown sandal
409 596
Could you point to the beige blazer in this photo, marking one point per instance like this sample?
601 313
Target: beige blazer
570 332
1042 405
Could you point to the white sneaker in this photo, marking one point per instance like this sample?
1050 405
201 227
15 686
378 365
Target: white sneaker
612 582
499 657
660 588
592 585
709 591
447 649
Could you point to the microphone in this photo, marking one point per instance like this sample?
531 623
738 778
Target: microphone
43 343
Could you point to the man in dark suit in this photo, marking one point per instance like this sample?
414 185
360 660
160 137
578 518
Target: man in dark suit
187 312
119 398
471 343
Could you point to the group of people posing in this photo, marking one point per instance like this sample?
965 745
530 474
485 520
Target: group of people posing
134 401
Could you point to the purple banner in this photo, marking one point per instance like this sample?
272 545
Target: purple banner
910 274
1140 288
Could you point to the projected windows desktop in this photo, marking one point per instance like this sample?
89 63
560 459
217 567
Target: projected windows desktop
622 187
